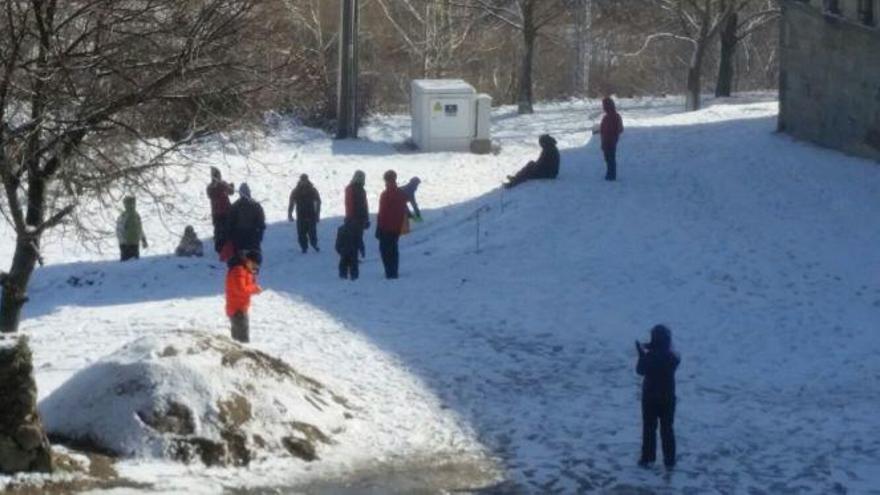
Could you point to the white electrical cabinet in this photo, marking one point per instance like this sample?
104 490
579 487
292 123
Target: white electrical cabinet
447 115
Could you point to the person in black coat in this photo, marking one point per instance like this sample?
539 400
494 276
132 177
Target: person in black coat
348 241
247 221
547 166
657 363
357 211
307 202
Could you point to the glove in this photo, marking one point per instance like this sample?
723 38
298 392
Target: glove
144 243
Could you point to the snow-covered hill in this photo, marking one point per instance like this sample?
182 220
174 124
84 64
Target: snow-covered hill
759 252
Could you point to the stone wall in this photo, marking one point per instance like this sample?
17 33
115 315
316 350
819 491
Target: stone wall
23 443
829 87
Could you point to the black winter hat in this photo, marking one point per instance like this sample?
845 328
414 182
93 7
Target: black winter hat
254 255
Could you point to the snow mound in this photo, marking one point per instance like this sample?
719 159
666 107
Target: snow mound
195 396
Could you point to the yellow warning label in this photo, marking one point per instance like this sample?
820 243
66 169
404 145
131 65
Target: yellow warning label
438 107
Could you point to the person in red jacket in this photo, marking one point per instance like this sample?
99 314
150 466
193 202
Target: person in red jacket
610 129
389 223
218 192
241 284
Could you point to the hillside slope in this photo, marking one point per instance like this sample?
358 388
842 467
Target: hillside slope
759 253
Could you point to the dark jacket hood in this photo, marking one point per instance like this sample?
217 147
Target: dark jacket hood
547 141
244 191
609 106
359 178
661 339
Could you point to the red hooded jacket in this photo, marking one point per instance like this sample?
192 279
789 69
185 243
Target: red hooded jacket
392 210
240 286
612 125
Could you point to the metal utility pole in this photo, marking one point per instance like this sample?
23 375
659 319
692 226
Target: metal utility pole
346 110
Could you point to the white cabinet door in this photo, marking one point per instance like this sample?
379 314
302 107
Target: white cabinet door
451 118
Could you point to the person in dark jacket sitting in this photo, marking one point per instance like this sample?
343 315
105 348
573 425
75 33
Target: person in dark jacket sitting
190 245
547 166
657 363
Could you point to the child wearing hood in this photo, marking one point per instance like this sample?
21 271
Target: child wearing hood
190 245
657 363
348 242
547 166
410 189
130 231
241 284
610 130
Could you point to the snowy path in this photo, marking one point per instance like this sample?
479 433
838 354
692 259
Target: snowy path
760 253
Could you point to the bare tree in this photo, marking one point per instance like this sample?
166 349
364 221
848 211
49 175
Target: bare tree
699 22
696 22
432 31
746 17
79 83
530 18
315 29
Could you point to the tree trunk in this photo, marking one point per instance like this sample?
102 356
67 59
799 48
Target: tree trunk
695 78
584 48
525 77
16 281
524 98
724 86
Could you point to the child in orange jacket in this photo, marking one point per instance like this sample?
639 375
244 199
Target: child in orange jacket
241 284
